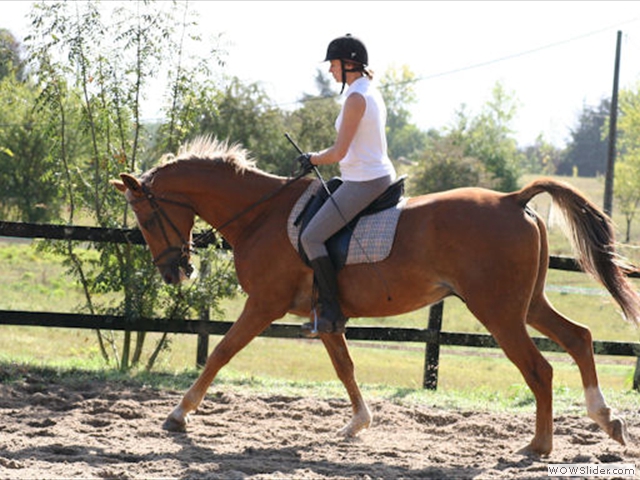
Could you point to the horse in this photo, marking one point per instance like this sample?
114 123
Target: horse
485 247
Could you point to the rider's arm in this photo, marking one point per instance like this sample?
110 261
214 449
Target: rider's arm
353 112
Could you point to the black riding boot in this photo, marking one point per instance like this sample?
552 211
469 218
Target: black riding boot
327 315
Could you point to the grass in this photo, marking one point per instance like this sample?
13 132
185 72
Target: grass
289 360
35 280
515 398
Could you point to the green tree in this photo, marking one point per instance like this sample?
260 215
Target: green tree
11 62
541 158
586 152
626 188
628 124
29 179
93 75
489 138
443 165
192 95
244 114
404 138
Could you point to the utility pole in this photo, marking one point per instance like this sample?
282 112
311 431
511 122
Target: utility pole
613 120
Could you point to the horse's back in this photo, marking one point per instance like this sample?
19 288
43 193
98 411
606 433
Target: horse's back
472 229
467 216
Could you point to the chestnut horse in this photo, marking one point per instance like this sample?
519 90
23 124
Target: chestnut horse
485 247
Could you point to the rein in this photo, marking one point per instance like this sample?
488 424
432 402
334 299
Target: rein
188 247
210 233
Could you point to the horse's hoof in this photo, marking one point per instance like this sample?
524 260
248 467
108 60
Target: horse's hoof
348 431
615 427
618 430
173 425
355 426
536 450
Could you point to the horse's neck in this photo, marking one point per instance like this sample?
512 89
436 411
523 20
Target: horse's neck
226 199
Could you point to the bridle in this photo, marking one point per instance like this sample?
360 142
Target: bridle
186 247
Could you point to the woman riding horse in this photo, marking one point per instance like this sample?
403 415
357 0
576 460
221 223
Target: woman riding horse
361 151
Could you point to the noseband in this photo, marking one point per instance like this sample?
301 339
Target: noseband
158 213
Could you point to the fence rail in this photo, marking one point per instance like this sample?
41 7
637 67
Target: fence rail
432 336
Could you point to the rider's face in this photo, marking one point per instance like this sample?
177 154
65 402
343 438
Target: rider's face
335 69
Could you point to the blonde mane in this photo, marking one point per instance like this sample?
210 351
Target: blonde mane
210 148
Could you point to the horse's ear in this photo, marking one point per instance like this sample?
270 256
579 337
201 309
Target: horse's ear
119 185
130 182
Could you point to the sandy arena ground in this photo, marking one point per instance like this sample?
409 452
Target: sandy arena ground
101 429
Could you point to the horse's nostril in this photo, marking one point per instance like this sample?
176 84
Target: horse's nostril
168 278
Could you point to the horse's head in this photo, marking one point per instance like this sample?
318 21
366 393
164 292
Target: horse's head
166 225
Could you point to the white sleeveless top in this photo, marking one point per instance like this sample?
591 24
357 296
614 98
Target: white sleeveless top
367 157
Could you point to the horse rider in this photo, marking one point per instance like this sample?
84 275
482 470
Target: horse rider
360 149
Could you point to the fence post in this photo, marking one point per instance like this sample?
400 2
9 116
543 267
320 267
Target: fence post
636 375
432 353
202 350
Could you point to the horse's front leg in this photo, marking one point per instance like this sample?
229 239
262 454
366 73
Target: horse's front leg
245 329
338 350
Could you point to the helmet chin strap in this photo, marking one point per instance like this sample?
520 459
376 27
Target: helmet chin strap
345 71
344 75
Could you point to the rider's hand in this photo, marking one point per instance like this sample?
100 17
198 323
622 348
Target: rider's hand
305 163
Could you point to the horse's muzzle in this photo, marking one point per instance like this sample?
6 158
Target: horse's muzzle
175 272
171 274
175 269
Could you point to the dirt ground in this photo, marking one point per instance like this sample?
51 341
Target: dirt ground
102 429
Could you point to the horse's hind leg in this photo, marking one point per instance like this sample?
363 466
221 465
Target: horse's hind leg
336 346
537 372
576 340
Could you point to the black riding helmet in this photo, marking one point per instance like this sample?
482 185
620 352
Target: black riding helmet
349 48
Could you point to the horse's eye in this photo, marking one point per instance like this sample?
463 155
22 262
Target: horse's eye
149 222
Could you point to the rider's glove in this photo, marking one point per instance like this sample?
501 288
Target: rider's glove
305 163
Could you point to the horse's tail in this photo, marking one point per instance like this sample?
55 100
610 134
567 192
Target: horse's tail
592 236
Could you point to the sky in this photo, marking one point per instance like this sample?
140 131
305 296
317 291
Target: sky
554 57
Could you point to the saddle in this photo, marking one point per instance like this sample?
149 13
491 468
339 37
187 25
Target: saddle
338 245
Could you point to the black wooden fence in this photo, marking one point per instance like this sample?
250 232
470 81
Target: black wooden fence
432 336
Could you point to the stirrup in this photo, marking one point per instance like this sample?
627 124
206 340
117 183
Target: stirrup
314 328
310 329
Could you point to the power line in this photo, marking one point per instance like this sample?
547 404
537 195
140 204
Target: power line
521 54
490 62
